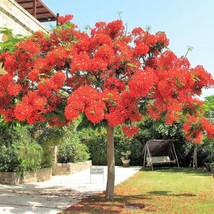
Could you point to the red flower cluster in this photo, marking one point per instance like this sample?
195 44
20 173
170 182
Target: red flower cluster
114 84
107 74
142 82
130 131
30 107
14 89
64 19
195 127
85 100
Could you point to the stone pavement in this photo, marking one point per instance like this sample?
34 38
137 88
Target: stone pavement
55 195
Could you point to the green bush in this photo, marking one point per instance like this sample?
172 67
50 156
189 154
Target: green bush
21 154
71 150
97 149
9 158
185 151
47 137
29 155
96 144
135 145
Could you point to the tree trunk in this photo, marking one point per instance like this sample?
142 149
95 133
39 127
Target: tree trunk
111 163
195 159
54 153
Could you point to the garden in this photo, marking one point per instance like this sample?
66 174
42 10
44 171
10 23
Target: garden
101 95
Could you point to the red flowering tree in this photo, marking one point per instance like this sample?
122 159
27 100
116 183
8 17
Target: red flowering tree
108 75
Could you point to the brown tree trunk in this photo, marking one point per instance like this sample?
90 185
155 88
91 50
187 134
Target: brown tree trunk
54 154
195 158
111 163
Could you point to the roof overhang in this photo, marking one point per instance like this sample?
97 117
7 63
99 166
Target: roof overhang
38 9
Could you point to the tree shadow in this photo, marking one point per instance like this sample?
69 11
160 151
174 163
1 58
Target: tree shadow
97 204
168 193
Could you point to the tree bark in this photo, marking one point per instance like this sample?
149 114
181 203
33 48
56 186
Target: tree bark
54 153
111 163
195 158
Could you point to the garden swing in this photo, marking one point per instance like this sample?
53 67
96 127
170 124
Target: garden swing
159 152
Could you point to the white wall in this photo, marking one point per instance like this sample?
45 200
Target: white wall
13 16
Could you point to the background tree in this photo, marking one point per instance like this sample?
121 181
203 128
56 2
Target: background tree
209 107
109 76
209 143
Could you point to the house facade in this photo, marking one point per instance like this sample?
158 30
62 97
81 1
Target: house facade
14 16
24 17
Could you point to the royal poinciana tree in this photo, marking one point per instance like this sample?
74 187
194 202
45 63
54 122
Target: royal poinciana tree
109 76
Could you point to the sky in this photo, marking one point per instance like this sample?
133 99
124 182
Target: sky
187 23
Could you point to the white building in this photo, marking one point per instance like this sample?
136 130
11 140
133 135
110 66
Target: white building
24 16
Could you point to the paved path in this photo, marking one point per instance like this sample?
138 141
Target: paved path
55 195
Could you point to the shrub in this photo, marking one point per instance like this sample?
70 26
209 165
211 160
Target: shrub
97 149
47 137
21 154
185 151
71 150
29 155
96 144
9 159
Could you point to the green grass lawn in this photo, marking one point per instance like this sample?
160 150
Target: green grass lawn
164 190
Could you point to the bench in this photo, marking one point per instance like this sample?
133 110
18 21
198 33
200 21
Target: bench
158 160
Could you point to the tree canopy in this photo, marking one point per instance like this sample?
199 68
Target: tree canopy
106 74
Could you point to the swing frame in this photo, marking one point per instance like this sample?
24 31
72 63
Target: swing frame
159 152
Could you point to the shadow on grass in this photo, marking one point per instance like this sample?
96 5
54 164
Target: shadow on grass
187 171
99 204
167 193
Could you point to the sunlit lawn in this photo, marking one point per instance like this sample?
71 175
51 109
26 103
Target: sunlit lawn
160 191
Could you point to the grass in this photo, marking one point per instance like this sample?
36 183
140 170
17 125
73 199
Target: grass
160 191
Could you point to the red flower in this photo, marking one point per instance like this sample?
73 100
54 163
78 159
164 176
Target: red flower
161 37
39 103
22 111
150 39
138 31
141 49
14 89
88 100
64 19
114 84
115 28
59 79
116 116
130 131
142 82
95 113
30 47
71 113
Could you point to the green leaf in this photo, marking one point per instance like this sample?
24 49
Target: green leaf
131 65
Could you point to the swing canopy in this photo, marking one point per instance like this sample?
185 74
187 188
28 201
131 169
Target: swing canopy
159 152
